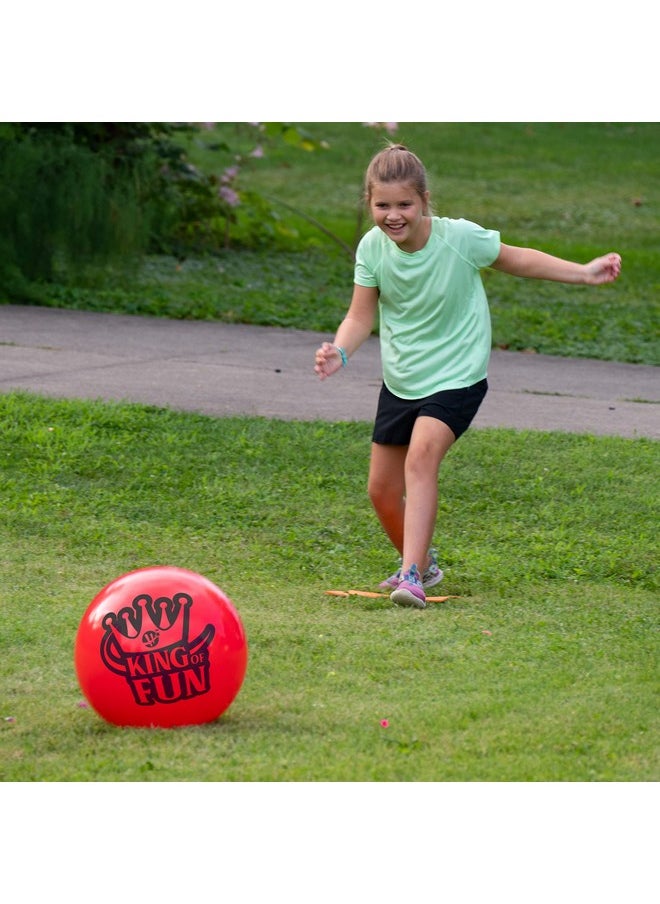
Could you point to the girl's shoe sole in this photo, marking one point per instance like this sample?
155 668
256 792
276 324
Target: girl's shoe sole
404 597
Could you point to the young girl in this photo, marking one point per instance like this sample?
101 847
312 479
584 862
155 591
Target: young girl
421 273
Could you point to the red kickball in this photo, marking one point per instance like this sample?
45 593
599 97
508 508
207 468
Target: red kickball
160 647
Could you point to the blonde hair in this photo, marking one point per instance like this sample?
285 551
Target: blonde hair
396 163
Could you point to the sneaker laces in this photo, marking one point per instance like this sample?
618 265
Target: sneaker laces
413 575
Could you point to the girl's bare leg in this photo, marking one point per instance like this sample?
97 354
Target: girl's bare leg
387 489
403 488
430 441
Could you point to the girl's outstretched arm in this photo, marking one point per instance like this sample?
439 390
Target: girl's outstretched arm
533 264
356 326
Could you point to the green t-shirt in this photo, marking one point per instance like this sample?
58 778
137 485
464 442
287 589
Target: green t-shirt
434 318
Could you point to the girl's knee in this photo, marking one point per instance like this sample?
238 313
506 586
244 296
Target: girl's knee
421 462
383 495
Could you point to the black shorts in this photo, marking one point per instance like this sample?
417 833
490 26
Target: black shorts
395 417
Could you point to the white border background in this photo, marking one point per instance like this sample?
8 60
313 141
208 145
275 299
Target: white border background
145 61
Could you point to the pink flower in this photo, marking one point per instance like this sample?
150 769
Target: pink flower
384 723
229 195
257 152
229 174
390 127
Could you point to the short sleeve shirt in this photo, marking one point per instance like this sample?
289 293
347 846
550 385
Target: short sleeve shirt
434 320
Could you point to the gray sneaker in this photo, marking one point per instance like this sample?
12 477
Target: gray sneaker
432 576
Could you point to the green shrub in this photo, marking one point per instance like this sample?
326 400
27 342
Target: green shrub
64 207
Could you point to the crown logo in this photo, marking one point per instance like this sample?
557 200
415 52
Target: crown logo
148 623
147 643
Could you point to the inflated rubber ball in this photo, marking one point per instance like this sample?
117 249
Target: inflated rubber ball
161 647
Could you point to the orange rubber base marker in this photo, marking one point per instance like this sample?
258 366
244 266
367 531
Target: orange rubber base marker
373 595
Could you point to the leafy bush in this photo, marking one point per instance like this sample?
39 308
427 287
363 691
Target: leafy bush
80 194
71 196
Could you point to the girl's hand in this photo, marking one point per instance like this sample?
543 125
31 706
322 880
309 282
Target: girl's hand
328 360
603 269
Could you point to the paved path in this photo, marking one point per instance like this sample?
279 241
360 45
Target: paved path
225 369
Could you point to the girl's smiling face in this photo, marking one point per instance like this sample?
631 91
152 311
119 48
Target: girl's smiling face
401 212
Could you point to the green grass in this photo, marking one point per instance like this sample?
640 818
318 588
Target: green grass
573 189
542 668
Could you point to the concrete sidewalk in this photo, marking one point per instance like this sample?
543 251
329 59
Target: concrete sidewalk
232 369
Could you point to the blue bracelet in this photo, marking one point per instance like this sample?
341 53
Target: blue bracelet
343 355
